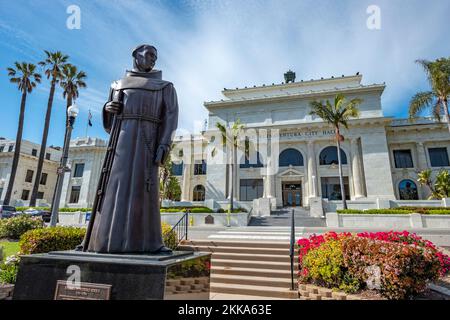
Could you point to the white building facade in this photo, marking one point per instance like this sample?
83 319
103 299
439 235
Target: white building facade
26 172
381 155
285 155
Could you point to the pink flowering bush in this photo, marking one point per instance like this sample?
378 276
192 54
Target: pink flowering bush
404 262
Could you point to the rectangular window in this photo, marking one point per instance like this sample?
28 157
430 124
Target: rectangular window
2 148
438 157
25 194
403 159
331 188
43 179
177 168
200 168
10 148
75 194
29 176
1 192
40 195
79 168
47 156
251 189
34 152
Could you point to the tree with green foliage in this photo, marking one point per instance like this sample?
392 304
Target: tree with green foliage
24 75
230 140
169 186
440 188
438 74
53 65
337 115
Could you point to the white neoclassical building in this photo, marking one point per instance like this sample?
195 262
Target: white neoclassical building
26 171
287 157
291 157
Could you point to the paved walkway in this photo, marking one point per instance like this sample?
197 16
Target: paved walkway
440 237
283 218
237 297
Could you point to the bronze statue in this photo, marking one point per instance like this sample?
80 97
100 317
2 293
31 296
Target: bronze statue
141 117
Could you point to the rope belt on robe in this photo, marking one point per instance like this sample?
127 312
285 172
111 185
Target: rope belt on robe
127 116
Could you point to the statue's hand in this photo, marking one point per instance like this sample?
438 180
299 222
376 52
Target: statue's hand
114 107
161 154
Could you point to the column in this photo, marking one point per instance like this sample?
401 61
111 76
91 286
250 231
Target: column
312 170
188 162
356 168
422 162
269 180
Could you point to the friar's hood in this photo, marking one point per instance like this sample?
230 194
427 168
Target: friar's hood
141 80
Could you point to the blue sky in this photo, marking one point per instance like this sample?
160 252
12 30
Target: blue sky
205 46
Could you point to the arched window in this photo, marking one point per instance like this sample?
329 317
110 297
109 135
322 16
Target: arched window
251 162
329 156
177 168
199 193
290 157
407 190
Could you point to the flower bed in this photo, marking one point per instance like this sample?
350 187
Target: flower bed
398 265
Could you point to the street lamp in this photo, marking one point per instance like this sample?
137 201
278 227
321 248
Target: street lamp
72 113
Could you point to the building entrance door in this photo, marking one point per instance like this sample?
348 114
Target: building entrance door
292 194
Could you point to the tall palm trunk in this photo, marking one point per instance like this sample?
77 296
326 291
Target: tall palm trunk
447 118
69 103
341 178
15 162
43 144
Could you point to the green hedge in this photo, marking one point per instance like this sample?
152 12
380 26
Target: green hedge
60 209
191 209
15 227
400 210
51 239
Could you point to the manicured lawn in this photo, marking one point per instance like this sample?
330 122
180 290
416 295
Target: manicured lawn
9 248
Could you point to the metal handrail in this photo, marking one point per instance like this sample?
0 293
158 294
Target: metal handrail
181 227
292 247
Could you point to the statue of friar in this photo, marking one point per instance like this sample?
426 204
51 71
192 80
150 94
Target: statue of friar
141 117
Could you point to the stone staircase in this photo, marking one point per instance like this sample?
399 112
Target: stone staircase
282 218
248 268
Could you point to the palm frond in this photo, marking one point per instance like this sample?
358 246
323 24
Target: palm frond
420 102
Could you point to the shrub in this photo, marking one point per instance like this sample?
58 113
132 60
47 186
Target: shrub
404 270
9 269
51 239
60 209
15 227
170 236
404 262
184 209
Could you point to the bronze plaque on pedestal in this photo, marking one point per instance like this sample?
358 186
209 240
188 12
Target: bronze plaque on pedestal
85 291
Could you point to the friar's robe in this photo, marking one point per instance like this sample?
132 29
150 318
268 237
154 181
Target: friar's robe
129 219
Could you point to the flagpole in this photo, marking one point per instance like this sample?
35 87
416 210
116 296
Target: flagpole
87 123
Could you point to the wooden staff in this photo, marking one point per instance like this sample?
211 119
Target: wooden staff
106 172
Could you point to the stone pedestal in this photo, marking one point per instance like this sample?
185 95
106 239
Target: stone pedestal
315 207
73 275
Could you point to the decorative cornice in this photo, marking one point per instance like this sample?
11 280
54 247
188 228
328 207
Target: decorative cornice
289 96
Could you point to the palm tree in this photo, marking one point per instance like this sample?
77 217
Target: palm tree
337 115
230 139
53 65
71 81
438 73
26 78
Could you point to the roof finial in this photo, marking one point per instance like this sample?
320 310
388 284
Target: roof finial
289 76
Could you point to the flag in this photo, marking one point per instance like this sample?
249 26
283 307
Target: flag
89 119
